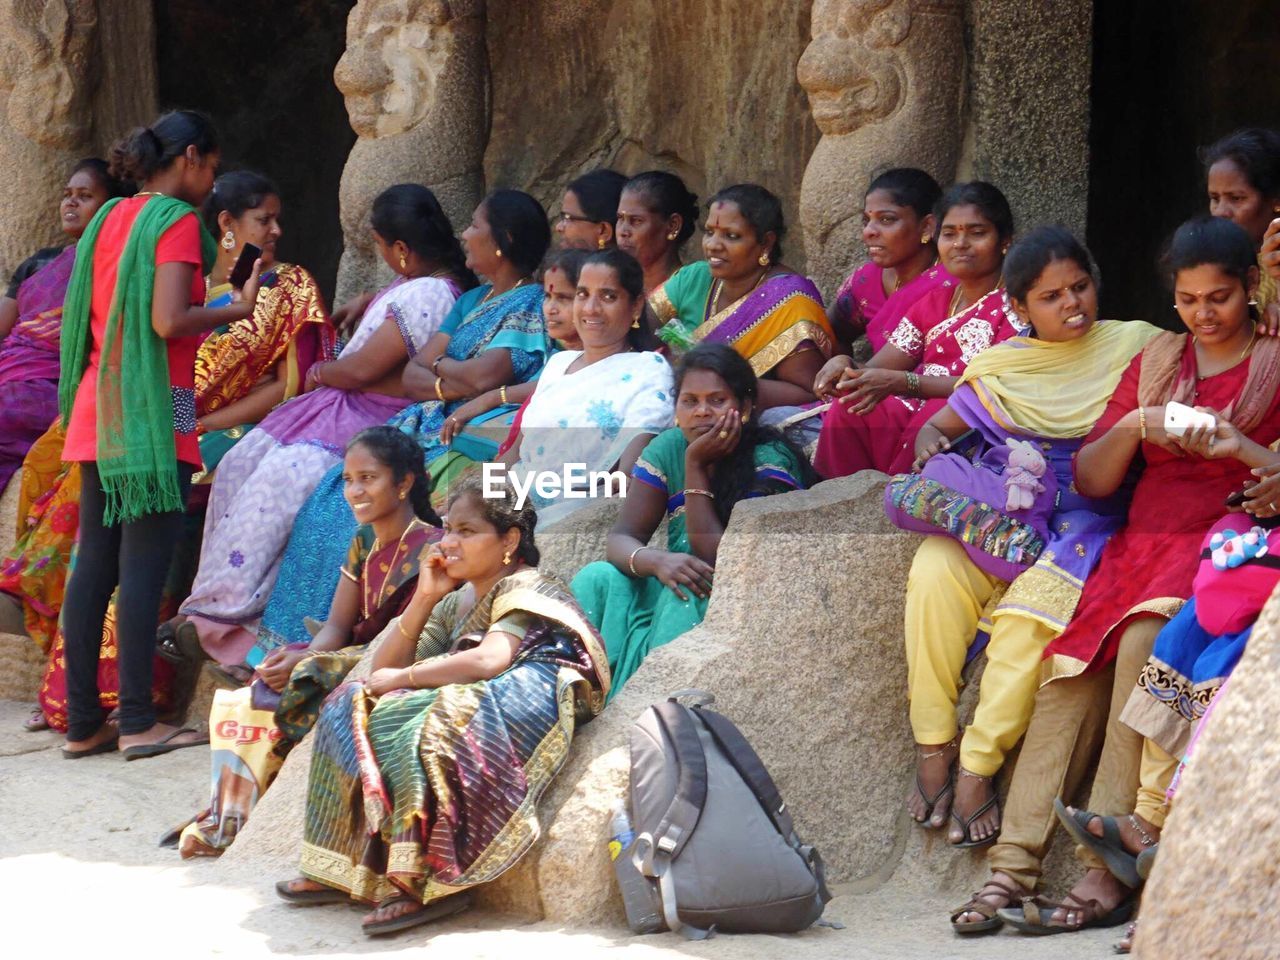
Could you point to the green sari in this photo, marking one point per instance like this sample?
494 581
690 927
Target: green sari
637 615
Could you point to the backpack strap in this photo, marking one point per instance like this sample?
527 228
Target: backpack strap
653 852
751 769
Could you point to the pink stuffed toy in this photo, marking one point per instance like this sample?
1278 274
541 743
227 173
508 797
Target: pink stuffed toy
1026 466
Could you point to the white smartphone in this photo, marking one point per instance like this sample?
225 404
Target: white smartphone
1179 418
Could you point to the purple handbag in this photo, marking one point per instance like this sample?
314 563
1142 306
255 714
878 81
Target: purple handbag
964 498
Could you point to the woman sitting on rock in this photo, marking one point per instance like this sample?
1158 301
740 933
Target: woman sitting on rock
656 215
388 492
693 475
1146 570
900 234
425 778
877 410
597 407
1048 389
589 211
493 338
264 480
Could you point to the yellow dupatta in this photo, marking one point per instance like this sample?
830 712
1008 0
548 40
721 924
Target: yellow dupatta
1056 390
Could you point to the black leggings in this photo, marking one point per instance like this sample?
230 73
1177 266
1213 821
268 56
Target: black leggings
134 556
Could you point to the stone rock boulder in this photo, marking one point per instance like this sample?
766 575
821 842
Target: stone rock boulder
1215 883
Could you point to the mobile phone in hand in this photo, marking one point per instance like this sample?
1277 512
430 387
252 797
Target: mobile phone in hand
244 265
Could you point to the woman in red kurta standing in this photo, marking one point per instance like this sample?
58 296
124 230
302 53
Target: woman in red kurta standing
132 321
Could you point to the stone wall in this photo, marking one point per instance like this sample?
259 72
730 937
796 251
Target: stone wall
73 74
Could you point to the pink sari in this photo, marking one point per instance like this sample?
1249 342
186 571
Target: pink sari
862 304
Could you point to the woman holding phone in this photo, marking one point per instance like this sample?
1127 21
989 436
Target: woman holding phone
132 321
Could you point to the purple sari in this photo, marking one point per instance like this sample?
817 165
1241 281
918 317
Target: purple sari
29 362
1079 528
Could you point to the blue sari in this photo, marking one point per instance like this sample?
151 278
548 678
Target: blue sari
512 321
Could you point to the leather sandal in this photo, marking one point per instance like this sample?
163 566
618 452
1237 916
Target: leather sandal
966 823
1035 916
930 803
988 911
1122 864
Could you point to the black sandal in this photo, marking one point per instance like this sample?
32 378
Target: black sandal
436 910
930 803
1122 864
967 842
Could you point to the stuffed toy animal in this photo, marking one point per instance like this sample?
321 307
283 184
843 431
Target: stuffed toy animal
1229 549
1026 466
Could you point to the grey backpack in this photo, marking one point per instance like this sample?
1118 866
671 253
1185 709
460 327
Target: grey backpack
714 846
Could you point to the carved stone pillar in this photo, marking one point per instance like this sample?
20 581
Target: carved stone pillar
415 77
885 80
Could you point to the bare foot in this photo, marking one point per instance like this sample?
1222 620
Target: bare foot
37 721
1097 885
104 734
157 733
932 783
392 910
992 894
972 793
1134 837
303 885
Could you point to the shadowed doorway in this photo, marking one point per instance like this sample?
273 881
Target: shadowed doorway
263 69
1168 78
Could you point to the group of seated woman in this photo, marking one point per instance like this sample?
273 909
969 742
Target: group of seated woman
335 507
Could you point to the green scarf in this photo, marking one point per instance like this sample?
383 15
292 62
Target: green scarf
136 453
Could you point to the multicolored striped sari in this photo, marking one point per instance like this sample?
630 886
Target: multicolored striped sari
430 792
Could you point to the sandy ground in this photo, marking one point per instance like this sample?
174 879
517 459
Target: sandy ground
79 865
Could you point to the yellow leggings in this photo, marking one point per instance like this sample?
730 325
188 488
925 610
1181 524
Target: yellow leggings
946 594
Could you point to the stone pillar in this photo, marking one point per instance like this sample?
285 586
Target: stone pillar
46 78
73 78
415 76
885 80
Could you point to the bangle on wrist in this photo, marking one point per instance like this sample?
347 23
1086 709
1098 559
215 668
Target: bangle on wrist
502 393
439 390
315 372
913 383
435 365
631 560
1142 423
412 682
405 633
698 490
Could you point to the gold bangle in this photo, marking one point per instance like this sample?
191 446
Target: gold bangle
631 560
1142 422
405 633
412 682
502 393
706 493
439 390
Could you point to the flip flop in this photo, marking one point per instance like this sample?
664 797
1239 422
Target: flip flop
310 898
966 823
930 803
1145 860
1033 916
107 746
36 722
436 910
163 745
1122 864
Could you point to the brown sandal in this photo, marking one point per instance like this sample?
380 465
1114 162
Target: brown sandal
980 906
1036 915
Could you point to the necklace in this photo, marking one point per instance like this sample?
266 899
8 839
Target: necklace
715 299
150 193
493 291
954 307
1243 353
377 545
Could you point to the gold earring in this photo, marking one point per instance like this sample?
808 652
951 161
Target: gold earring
924 239
672 236
764 260
228 240
499 251
403 262
635 324
1253 302
601 243
403 494
506 558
